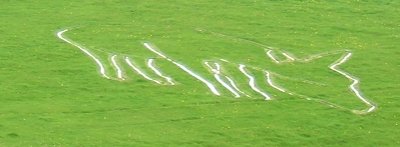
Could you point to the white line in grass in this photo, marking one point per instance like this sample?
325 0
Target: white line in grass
270 55
272 84
150 64
252 82
223 79
289 56
230 80
353 86
184 68
355 83
217 76
269 81
140 72
234 86
148 46
117 67
86 51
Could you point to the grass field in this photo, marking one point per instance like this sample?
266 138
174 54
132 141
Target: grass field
52 94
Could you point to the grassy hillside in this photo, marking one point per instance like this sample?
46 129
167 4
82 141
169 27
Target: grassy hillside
51 94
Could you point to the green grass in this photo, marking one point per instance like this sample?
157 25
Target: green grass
52 95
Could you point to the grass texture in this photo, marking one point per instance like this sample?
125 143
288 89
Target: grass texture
51 94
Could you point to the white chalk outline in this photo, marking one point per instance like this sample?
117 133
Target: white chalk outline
276 74
353 86
288 56
86 51
234 86
252 82
217 76
184 68
140 72
345 58
355 81
150 64
291 58
117 67
270 55
272 84
231 86
114 63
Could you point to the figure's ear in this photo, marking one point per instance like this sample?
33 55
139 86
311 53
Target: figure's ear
281 56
